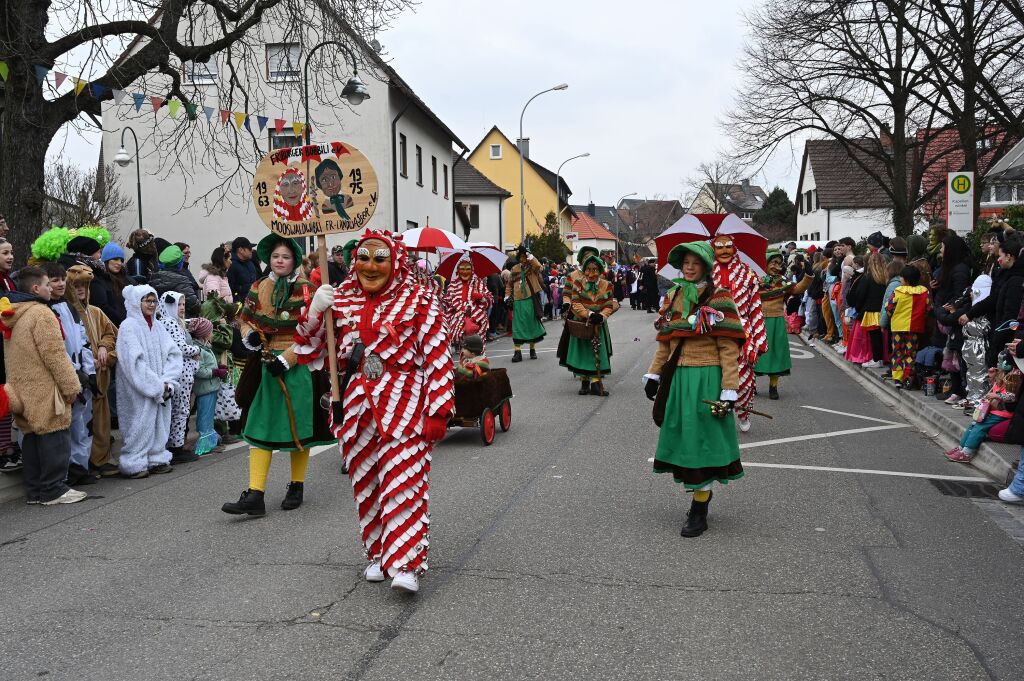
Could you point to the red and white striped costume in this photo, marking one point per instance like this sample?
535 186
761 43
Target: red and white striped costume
382 432
466 300
746 291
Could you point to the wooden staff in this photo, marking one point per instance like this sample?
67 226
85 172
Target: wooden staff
595 343
269 356
721 405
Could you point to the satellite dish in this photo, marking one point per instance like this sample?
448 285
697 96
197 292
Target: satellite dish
375 44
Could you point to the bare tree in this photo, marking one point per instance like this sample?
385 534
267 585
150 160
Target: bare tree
76 197
707 190
151 45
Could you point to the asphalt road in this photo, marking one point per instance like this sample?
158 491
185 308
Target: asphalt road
555 555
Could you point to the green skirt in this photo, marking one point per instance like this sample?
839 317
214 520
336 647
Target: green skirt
579 355
696 447
775 362
266 421
526 328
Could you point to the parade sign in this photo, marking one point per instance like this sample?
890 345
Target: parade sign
316 189
960 202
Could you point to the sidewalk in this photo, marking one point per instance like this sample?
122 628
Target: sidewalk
997 461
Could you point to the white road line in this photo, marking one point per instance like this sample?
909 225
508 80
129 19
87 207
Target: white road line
539 350
900 474
843 413
819 436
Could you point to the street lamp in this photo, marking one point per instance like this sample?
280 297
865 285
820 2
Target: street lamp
617 223
355 91
558 196
122 159
522 190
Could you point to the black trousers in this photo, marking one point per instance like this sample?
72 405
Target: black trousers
45 460
875 335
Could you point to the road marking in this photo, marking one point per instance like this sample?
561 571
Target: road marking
818 436
799 351
540 350
321 449
844 413
900 474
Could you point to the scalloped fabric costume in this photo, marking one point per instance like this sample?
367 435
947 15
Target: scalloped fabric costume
466 302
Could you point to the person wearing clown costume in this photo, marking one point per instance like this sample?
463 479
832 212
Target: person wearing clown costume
466 303
393 352
733 274
774 291
592 301
283 414
701 333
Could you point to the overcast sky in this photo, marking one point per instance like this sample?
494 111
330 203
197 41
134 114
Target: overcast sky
648 83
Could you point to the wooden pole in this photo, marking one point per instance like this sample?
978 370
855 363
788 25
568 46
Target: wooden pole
332 350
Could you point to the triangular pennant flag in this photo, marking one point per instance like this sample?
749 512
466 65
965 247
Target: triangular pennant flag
4 70
208 110
190 110
339 149
172 107
98 90
278 125
311 152
262 120
118 95
79 85
297 128
239 119
247 124
157 102
139 99
41 72
224 115
60 77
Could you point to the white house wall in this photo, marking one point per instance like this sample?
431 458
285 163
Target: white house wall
491 214
824 224
418 203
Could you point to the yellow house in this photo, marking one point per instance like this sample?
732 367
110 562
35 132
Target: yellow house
497 159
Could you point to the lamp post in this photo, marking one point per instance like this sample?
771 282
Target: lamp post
617 223
122 159
522 190
558 195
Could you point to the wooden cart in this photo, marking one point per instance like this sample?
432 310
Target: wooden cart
480 401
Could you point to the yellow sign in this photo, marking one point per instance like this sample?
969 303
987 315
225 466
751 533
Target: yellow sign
961 184
314 189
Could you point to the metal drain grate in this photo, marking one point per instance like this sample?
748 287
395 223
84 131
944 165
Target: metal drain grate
966 490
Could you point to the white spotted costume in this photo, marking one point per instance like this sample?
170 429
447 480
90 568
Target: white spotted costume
403 386
738 278
466 301
182 401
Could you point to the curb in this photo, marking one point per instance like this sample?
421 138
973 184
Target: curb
988 460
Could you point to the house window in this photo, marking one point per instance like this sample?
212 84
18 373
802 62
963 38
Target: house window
1004 193
284 140
807 200
746 215
984 143
433 173
409 224
473 210
283 62
201 74
1020 192
419 165
445 166
495 151
403 156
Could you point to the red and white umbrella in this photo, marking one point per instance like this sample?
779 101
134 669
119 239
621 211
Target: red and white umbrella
751 247
688 228
486 260
430 239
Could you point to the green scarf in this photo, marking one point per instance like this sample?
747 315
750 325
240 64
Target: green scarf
691 294
281 293
591 286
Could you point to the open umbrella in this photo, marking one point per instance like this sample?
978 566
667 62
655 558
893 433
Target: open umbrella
751 247
430 239
688 228
486 261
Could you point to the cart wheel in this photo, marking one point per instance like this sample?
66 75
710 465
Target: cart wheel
505 416
487 426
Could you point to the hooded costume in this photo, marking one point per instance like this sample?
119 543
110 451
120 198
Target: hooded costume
396 405
466 306
523 284
148 359
775 288
182 401
76 344
593 303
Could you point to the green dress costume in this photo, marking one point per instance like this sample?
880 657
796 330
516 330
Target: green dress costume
523 284
586 298
774 291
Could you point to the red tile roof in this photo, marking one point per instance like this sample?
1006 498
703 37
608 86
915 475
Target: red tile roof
588 228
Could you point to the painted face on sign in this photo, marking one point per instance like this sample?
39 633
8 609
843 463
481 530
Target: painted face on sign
725 249
775 266
592 272
373 265
291 189
465 271
330 182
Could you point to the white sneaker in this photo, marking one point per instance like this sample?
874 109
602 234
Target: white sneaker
72 496
841 349
744 424
953 399
1009 497
874 364
406 581
373 573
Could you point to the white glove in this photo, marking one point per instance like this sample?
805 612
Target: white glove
728 396
322 299
650 377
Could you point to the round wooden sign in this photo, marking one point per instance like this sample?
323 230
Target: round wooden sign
315 189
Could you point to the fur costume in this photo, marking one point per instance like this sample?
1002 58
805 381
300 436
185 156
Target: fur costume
741 282
466 301
148 358
181 403
383 434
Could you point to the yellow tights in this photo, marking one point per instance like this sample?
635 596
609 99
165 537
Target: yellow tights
259 466
701 495
773 381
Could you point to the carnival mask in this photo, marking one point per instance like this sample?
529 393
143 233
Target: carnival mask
592 272
465 271
775 266
725 250
373 265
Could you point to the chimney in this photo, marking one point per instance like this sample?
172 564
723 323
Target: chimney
591 210
524 146
745 186
885 137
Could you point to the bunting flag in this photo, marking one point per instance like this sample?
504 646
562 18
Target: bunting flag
239 119
278 125
79 85
41 72
190 110
262 120
60 77
98 90
118 95
139 99
297 128
157 102
208 110
224 115
172 107
4 70
311 152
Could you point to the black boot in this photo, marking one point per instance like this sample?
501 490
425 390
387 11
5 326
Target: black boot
517 356
773 392
533 353
597 388
696 519
585 387
293 498
250 503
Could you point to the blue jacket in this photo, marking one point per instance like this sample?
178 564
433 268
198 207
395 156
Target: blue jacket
241 277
